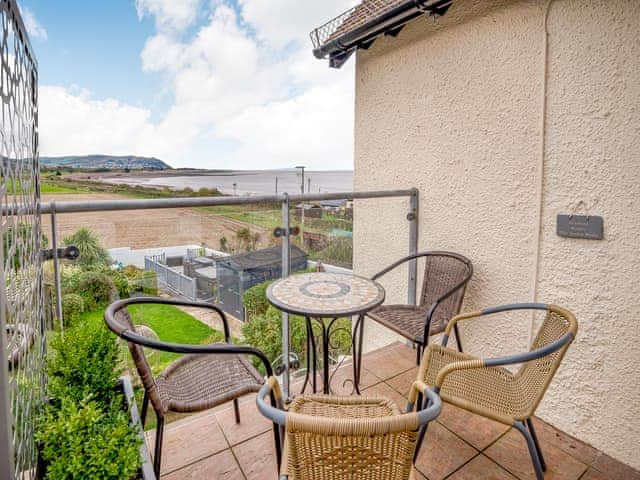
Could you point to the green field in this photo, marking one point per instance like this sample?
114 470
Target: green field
51 188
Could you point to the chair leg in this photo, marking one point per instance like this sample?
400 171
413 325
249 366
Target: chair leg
418 353
532 449
236 410
157 456
423 430
543 464
145 406
458 341
421 435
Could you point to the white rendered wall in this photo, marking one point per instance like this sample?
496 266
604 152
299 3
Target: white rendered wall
455 109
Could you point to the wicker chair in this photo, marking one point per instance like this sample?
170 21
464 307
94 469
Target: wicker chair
446 275
348 438
206 376
484 387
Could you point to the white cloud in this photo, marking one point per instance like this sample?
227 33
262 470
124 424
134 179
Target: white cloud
315 129
247 93
171 15
34 27
71 122
279 22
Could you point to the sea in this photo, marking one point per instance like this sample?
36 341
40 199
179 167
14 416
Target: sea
252 182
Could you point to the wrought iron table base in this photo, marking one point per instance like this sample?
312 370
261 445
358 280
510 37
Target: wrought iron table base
312 355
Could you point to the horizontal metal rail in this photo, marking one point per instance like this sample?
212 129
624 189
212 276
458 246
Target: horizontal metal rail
158 203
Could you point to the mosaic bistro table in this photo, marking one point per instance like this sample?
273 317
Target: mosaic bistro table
325 297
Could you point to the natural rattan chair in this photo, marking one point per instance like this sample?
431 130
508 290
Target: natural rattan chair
485 387
206 376
348 438
446 275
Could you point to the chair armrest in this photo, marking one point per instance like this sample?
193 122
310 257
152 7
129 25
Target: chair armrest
489 311
434 404
118 305
276 414
400 262
502 361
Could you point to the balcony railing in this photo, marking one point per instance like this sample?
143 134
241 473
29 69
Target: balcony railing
285 201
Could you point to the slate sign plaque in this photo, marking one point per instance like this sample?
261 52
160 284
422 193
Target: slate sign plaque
580 226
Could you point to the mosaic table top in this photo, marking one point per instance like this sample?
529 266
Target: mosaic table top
324 294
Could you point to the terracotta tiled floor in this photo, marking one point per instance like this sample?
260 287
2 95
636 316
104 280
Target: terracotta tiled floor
458 446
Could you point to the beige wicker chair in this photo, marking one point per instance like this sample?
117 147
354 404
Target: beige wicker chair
484 387
348 438
207 376
446 275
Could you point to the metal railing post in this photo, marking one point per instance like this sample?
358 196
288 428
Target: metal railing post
56 266
286 267
6 444
412 216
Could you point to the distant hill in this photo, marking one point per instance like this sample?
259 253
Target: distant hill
105 161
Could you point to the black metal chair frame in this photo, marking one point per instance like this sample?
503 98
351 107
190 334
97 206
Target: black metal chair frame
124 332
358 330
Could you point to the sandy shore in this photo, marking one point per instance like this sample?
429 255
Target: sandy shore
147 228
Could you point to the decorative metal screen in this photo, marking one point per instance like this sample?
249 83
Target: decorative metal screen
21 314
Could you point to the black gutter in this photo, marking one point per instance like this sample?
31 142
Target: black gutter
346 43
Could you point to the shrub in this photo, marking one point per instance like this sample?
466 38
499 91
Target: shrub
146 282
81 440
92 254
96 288
83 362
70 278
121 283
72 307
255 300
264 331
131 271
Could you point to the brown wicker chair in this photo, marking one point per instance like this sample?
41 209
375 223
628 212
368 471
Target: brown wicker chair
483 386
348 438
446 275
206 376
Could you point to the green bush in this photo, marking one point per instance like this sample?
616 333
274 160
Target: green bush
83 361
131 271
96 289
264 331
121 283
81 440
146 282
255 300
70 278
72 307
263 328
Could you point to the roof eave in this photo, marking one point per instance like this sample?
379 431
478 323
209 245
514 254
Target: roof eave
342 47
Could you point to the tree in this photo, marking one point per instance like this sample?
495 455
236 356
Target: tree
92 254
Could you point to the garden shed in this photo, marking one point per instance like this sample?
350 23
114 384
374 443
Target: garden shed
237 273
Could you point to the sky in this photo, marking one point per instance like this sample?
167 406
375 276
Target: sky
197 83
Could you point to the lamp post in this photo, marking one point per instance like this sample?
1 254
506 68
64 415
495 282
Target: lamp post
302 182
301 167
